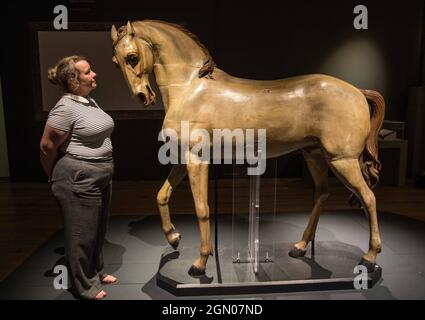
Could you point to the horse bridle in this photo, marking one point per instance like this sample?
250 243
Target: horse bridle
121 33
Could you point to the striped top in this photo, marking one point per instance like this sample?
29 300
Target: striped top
89 126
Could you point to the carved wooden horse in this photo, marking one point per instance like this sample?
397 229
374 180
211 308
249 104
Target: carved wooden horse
329 119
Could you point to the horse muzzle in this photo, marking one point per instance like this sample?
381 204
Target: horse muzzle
146 96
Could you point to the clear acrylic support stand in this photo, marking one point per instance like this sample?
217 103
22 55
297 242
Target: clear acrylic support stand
252 220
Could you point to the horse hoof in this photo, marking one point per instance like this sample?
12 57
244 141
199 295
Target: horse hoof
370 266
296 253
196 272
175 236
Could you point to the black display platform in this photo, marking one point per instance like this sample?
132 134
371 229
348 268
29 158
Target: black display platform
331 268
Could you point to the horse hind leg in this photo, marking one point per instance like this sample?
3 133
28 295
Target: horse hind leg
318 168
178 172
349 172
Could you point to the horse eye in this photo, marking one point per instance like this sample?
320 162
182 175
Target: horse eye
132 60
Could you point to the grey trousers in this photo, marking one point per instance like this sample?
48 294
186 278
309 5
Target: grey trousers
83 190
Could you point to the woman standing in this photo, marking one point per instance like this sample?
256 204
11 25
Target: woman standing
78 132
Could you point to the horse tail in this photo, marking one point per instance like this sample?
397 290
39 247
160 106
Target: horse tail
369 163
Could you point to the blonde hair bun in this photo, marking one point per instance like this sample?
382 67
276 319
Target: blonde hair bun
51 75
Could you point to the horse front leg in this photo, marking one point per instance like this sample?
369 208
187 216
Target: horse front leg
178 172
198 177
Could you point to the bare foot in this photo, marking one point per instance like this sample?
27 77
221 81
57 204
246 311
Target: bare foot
108 279
100 295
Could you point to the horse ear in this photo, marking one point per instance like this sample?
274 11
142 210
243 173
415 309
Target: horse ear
130 29
114 33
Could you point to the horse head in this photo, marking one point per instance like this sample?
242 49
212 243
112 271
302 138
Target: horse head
133 55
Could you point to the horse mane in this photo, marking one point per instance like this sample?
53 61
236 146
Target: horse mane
209 65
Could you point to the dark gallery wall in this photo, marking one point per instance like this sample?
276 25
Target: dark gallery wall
261 40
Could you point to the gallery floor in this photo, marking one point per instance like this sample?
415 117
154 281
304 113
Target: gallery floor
135 244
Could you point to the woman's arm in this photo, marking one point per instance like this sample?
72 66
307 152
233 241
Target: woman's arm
49 145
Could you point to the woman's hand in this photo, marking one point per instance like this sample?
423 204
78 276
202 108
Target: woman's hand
49 145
